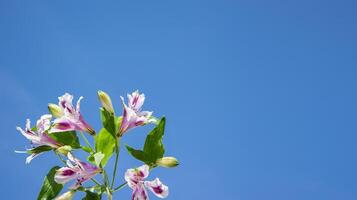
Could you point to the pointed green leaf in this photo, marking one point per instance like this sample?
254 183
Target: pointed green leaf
50 189
39 149
138 154
66 138
105 143
153 147
92 196
91 159
87 149
108 121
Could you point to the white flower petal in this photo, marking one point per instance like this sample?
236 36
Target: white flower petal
139 193
134 176
159 189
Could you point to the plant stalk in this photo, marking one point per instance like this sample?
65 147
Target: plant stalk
117 149
120 187
86 140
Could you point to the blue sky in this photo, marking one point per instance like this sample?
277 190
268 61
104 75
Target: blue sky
260 96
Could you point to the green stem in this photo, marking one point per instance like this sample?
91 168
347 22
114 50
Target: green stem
95 181
105 178
59 156
86 140
117 149
120 187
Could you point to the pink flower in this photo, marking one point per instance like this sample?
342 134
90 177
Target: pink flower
76 170
39 137
133 116
71 120
136 181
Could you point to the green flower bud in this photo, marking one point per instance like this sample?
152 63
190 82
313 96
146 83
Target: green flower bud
55 110
64 149
106 101
66 196
167 162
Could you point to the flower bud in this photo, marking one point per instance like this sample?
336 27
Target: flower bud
64 149
167 162
66 196
106 101
55 110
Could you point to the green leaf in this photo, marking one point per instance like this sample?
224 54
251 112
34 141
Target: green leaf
153 147
105 143
66 138
138 154
87 149
50 189
91 159
108 121
92 196
39 149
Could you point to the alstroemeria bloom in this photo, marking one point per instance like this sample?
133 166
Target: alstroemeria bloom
71 120
39 137
133 116
76 170
136 181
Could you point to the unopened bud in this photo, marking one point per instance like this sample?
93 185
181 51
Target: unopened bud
106 101
66 196
64 149
167 162
55 110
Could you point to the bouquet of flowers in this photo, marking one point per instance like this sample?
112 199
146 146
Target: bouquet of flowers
60 136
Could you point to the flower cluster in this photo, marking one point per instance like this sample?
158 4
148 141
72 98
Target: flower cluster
136 181
60 135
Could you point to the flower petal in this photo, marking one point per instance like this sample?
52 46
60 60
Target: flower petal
140 193
88 168
136 100
159 189
65 174
78 107
65 101
28 124
84 126
62 124
29 135
135 176
43 123
31 157
76 169
47 140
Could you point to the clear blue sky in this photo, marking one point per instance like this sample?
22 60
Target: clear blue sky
260 96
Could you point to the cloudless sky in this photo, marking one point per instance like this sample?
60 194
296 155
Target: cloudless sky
260 96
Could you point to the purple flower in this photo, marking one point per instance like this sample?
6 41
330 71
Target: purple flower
136 181
76 170
71 120
39 137
133 116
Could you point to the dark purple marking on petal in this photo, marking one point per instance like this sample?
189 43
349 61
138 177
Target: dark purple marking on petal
141 174
139 123
68 172
69 110
135 101
63 125
158 190
143 193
